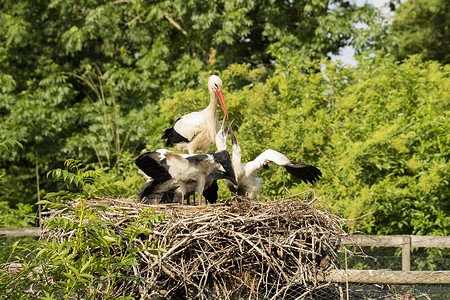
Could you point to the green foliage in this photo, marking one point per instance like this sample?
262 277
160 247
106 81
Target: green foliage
83 78
390 150
9 145
421 27
21 216
96 257
100 80
87 183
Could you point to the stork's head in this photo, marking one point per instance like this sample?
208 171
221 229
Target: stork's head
226 170
215 86
221 136
214 83
235 149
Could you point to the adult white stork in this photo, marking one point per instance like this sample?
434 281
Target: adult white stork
248 184
191 172
197 130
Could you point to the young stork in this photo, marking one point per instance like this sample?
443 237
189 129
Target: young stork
211 188
248 184
222 134
189 172
197 130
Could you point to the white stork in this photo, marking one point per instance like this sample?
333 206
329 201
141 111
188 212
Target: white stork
197 130
191 172
248 184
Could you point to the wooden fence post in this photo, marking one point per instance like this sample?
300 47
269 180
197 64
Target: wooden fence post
406 253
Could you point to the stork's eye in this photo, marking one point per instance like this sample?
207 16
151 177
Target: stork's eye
216 85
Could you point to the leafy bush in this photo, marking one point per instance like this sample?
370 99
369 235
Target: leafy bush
22 214
91 259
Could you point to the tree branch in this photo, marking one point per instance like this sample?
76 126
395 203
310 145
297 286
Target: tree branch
174 23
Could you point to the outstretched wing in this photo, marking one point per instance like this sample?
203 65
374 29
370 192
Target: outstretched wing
153 166
253 167
305 172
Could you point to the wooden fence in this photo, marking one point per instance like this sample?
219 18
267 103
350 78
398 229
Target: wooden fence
32 231
405 276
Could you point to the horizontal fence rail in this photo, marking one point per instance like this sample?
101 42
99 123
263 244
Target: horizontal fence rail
403 241
387 277
30 231
397 240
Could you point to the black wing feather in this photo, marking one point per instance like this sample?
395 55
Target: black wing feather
307 173
173 137
153 168
210 193
197 158
224 158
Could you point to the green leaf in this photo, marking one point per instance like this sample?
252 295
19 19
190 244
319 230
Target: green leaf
41 202
109 239
74 270
69 276
89 276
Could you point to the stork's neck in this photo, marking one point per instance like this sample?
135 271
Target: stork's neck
236 159
212 107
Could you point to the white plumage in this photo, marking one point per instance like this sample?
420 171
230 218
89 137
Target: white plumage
197 130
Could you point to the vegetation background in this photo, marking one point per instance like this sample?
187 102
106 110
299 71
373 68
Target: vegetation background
87 85
99 81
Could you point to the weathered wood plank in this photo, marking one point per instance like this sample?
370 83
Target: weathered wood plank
388 277
31 231
397 240
374 240
430 241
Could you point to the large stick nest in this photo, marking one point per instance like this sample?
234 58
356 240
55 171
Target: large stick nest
275 249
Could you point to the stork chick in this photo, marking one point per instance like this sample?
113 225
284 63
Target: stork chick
248 184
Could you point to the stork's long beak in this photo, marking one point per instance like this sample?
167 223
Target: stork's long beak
222 102
229 128
223 124
233 138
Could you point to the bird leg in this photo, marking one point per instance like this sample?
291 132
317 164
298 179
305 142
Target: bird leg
201 187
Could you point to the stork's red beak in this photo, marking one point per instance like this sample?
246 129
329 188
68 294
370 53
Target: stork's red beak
222 102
